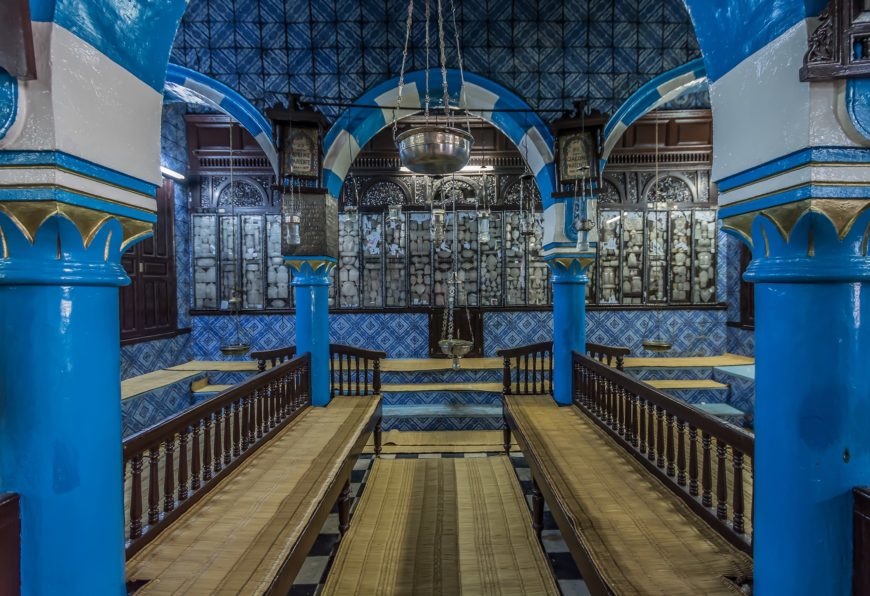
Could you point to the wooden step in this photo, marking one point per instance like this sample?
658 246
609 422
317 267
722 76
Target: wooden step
417 387
665 384
689 361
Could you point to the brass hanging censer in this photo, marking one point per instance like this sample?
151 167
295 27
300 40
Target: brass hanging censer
433 149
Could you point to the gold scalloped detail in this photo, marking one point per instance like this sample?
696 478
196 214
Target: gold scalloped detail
842 213
296 264
568 262
29 216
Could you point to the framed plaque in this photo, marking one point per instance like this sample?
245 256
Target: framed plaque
577 156
300 152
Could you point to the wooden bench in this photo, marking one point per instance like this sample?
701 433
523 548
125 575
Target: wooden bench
239 487
628 474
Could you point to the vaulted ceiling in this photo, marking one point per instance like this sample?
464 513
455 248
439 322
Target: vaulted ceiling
547 51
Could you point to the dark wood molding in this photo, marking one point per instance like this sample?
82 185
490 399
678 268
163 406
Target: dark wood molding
861 542
10 544
158 336
485 309
739 325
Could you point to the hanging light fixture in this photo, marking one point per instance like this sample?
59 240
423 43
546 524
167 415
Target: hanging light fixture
434 149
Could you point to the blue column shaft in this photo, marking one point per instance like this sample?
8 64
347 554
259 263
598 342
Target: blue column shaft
312 333
812 407
60 435
569 330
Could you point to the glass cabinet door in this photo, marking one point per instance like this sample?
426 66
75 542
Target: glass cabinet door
252 261
229 260
514 260
657 256
609 284
632 257
539 278
491 255
395 245
373 260
420 258
443 257
348 286
205 270
279 293
467 252
704 237
681 256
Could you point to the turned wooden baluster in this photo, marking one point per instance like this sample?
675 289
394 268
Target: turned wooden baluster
737 523
721 485
340 376
196 458
366 369
550 370
681 453
136 496
693 461
642 426
706 472
154 484
218 448
651 431
376 377
633 422
206 449
526 373
660 437
182 465
169 475
237 429
228 444
669 420
252 417
356 360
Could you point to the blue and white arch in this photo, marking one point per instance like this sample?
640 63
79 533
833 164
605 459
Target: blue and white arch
196 88
657 92
359 124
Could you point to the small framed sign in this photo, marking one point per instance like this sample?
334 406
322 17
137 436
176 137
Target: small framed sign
301 152
577 156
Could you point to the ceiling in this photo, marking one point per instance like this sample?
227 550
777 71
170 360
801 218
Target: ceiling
547 51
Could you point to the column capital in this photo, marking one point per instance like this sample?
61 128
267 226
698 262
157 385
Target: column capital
818 240
309 271
570 268
48 242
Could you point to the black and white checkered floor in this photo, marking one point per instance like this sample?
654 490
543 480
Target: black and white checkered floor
316 566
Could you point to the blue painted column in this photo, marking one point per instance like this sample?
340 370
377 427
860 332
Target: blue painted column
311 280
569 319
60 402
813 395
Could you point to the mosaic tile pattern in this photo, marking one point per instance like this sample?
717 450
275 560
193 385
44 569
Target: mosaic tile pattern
742 393
548 52
741 341
145 357
147 409
671 374
464 375
426 398
426 423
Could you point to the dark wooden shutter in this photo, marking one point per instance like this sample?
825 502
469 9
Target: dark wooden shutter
148 306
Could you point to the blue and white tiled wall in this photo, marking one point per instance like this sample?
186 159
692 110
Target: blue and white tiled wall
144 357
739 341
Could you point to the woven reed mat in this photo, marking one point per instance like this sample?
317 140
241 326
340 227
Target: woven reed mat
689 361
441 527
234 540
153 380
441 441
642 537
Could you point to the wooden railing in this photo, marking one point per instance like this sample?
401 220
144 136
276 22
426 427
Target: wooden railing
702 459
10 544
528 370
273 357
861 541
610 355
354 371
182 458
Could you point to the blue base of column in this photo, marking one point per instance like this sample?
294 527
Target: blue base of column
60 435
812 444
569 321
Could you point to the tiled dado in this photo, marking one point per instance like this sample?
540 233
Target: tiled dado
406 335
146 357
692 332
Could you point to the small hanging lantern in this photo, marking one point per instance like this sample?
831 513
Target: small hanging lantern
483 218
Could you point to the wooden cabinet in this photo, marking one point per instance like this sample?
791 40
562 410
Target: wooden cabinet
148 306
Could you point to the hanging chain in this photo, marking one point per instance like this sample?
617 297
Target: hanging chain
443 56
428 96
408 23
463 98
